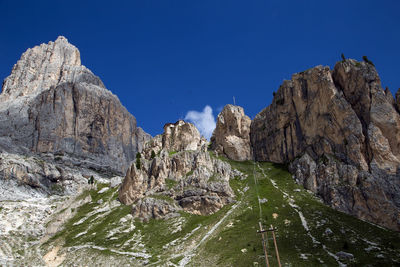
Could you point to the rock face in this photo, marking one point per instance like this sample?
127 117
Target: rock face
339 131
28 177
181 136
231 136
397 100
46 66
52 103
182 176
381 122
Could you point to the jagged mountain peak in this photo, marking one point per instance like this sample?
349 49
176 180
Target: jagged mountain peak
337 129
207 206
45 66
231 136
53 104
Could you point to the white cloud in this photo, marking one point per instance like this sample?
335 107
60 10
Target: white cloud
204 121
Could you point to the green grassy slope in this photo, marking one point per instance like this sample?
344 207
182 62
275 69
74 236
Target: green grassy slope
103 230
370 244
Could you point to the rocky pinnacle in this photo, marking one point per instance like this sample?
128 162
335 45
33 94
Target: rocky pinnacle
52 103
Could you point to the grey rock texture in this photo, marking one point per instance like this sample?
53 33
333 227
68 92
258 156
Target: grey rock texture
339 132
149 207
178 177
115 181
23 177
52 103
389 97
231 136
141 137
46 66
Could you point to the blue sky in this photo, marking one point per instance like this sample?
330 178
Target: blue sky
165 58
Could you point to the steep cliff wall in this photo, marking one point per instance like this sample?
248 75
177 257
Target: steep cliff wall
339 131
52 103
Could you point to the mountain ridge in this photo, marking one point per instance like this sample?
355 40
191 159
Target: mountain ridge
60 127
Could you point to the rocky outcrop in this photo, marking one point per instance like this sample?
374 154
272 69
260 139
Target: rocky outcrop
381 122
46 66
52 104
181 136
231 136
151 207
389 97
339 131
23 176
308 113
176 174
397 100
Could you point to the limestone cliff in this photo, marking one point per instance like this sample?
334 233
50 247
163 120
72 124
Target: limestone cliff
339 131
231 136
52 103
176 174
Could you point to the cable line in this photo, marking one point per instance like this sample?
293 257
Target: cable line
256 184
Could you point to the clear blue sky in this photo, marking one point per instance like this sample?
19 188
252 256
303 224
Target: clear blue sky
164 58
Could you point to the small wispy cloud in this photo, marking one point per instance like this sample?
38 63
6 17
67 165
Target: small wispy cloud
204 121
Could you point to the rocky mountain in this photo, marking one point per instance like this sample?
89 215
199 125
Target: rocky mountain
59 126
51 103
178 200
176 173
95 229
231 136
339 132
